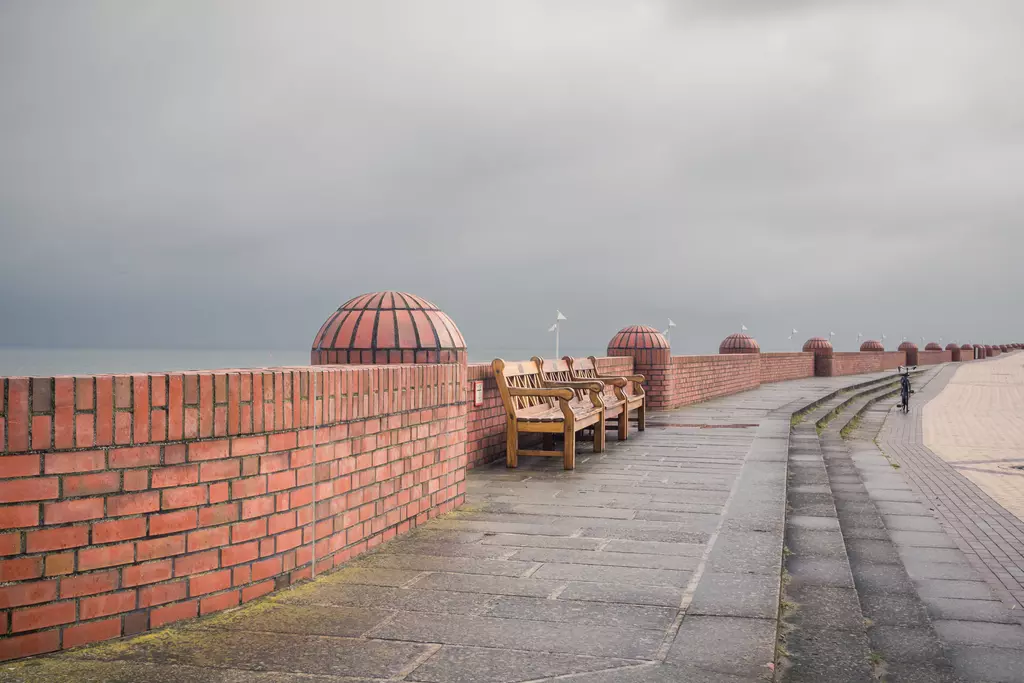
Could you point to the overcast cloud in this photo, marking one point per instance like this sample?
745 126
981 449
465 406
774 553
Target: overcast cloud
225 174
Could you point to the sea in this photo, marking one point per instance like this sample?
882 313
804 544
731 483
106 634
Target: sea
47 362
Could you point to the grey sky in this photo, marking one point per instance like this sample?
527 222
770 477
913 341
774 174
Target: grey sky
222 174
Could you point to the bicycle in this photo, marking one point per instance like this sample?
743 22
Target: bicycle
905 390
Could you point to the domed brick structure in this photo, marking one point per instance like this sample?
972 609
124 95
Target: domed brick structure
823 355
1002 347
910 348
954 352
739 343
388 327
967 352
933 346
652 358
872 346
636 337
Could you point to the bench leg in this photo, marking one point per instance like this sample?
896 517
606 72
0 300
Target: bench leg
599 434
624 424
569 452
641 416
511 444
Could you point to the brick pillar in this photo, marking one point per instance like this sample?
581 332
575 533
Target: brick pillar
910 348
652 358
824 365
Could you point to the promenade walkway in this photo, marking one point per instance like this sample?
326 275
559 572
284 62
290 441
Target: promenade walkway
658 560
667 558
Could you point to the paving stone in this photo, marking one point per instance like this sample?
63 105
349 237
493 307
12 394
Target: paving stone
612 559
893 609
57 668
810 543
659 673
980 633
882 578
815 523
495 585
462 565
821 655
748 552
824 607
306 619
659 535
665 596
736 595
937 555
920 672
820 571
945 588
859 520
267 652
542 541
921 539
898 508
415 600
912 523
447 549
583 612
877 533
603 574
988 664
724 644
452 664
926 569
900 644
871 552
969 610
375 576
655 548
541 636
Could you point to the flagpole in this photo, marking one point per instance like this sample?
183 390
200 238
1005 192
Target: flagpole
557 328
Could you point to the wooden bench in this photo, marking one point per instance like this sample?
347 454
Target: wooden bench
538 406
560 371
628 390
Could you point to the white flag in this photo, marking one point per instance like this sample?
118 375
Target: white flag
553 327
560 316
831 334
670 323
743 327
794 331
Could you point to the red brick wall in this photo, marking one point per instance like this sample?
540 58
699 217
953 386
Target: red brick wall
486 424
693 379
933 357
128 502
777 367
855 363
892 360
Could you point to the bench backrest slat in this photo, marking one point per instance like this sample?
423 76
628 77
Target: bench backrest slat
519 375
559 371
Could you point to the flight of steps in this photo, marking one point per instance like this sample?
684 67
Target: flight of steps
840 562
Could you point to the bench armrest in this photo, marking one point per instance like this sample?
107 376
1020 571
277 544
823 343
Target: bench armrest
565 394
589 385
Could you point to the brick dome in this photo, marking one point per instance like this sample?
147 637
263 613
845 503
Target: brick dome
932 346
739 343
966 347
872 345
952 347
388 327
908 346
819 346
637 337
1002 347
